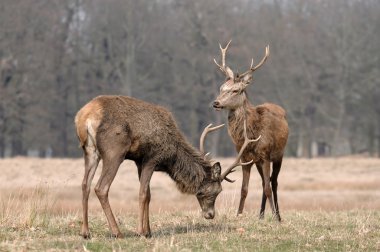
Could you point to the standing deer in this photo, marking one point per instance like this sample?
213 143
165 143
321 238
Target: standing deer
267 120
114 128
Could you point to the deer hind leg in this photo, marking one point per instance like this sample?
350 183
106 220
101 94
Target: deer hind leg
244 187
259 167
145 174
276 171
111 165
267 185
91 160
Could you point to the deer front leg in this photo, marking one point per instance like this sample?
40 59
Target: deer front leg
146 225
264 197
267 184
143 228
244 187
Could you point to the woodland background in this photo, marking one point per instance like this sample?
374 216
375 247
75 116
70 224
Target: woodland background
324 67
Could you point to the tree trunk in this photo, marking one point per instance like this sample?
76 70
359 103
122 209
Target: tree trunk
17 148
2 140
371 140
378 135
2 145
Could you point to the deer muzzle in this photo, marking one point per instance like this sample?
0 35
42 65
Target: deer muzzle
216 104
210 214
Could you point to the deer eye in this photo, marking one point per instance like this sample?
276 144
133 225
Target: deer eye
235 91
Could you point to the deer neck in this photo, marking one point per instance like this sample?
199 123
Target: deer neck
189 170
239 114
236 118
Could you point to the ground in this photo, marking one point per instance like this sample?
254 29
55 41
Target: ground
326 205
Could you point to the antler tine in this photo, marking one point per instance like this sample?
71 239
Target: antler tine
220 67
251 68
224 51
263 60
207 130
237 162
251 65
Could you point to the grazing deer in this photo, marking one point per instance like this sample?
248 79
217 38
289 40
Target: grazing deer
267 120
114 128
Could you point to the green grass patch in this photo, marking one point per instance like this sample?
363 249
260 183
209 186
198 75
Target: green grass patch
188 231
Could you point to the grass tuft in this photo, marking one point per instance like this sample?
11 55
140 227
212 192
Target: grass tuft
27 209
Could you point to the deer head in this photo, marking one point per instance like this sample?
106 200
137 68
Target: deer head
209 190
232 92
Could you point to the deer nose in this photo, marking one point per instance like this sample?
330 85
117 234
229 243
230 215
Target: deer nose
209 215
216 104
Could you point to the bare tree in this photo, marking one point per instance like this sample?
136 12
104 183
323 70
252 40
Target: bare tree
325 73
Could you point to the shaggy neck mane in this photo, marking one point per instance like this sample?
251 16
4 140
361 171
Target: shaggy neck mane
239 113
189 169
236 118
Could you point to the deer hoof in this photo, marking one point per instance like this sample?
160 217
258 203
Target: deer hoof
117 236
145 234
86 235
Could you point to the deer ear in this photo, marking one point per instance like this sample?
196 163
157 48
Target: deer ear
215 171
247 78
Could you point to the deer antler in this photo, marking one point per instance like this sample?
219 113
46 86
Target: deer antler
252 69
207 130
237 162
225 69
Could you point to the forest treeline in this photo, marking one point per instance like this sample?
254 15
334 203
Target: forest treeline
324 67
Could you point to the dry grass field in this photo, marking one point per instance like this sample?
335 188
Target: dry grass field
326 205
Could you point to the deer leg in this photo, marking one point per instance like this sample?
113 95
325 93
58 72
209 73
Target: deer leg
143 228
264 197
146 207
91 161
267 186
146 225
244 187
276 171
110 168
